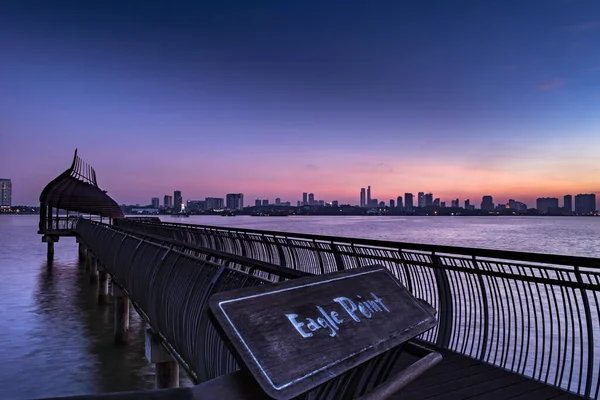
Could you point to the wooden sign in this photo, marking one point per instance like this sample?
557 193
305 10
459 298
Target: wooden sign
295 335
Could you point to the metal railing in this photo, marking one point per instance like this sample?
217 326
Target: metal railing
170 284
534 314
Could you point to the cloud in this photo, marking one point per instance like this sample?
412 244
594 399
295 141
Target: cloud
585 26
551 84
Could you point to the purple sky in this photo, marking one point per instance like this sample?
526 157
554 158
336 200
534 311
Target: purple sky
272 99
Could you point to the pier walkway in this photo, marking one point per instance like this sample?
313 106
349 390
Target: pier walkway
537 315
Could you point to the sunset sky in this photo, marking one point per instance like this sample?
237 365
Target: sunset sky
276 98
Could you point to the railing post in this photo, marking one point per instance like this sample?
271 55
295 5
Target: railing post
445 303
590 334
486 312
339 261
282 260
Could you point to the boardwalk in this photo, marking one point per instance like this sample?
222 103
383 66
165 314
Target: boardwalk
459 377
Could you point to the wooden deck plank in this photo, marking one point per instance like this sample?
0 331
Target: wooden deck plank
460 377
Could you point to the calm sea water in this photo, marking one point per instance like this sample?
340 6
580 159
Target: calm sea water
56 341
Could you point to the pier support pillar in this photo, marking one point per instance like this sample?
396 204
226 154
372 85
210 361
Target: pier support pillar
50 240
81 251
102 285
94 270
166 368
88 259
121 316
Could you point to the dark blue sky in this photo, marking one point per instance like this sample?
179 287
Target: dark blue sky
462 98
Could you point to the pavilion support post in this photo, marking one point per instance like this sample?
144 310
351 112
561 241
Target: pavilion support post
102 285
166 368
94 270
50 240
121 316
50 250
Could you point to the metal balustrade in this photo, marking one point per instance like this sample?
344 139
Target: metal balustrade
169 284
534 314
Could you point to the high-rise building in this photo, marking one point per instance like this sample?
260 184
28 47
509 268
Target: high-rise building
546 204
277 201
214 203
320 203
168 201
304 198
467 204
455 203
585 204
421 199
392 203
442 204
234 201
5 193
399 202
257 202
265 202
436 202
408 201
363 198
177 199
487 203
428 199
368 195
155 202
195 205
311 199
568 203
335 203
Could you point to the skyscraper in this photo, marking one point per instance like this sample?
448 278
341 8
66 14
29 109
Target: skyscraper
585 204
214 203
311 199
155 202
399 202
487 203
392 203
5 193
408 201
546 204
178 200
362 197
168 201
568 203
368 195
235 201
421 199
304 198
428 199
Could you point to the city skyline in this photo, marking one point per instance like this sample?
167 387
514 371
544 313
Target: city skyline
404 96
303 197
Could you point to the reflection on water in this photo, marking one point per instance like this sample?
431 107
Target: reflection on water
55 340
575 236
